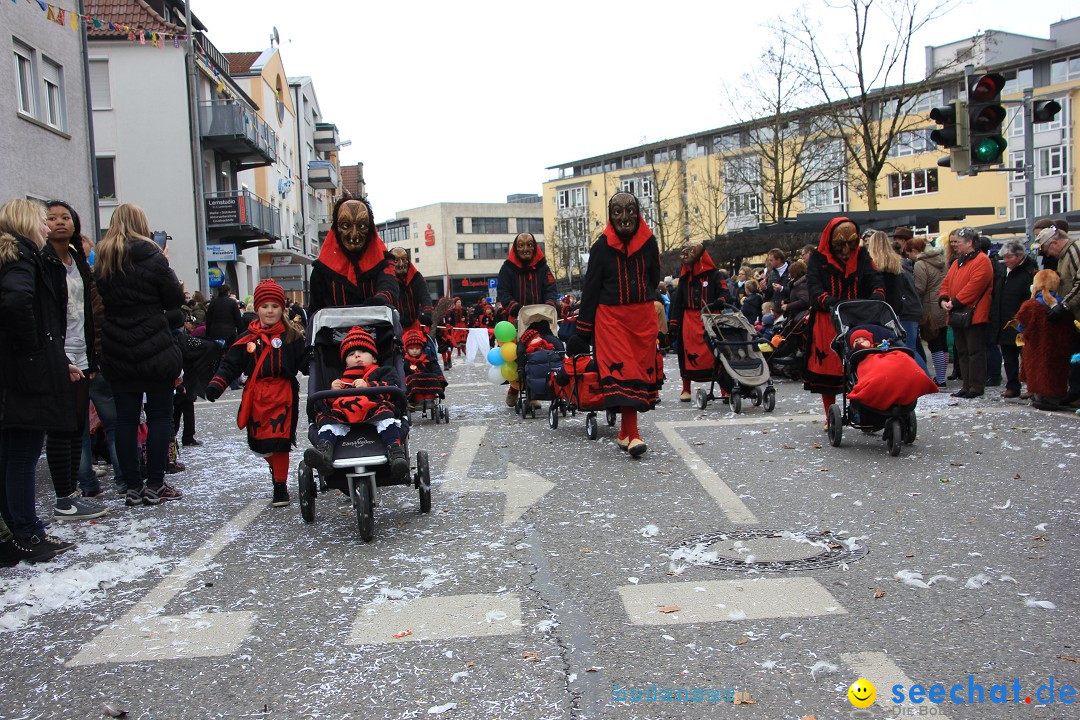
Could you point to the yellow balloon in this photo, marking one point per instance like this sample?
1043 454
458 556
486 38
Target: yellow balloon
509 351
509 371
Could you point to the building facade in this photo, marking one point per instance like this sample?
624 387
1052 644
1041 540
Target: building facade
706 184
460 247
44 136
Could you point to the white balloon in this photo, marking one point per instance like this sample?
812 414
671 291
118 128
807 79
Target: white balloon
494 374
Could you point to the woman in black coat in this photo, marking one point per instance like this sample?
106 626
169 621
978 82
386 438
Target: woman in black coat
138 287
35 396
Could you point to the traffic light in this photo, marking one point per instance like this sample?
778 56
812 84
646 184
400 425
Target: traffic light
1043 111
985 119
952 135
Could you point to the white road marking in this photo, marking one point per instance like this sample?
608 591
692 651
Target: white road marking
521 487
884 673
454 386
438 618
143 634
727 600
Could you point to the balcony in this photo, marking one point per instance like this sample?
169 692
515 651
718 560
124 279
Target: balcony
242 217
323 175
326 137
238 133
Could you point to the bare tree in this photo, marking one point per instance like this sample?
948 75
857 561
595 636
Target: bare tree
668 178
569 238
864 79
706 206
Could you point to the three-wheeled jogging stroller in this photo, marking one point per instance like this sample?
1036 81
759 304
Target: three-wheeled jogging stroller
739 366
535 367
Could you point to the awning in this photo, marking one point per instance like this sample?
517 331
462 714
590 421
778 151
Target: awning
883 219
1019 227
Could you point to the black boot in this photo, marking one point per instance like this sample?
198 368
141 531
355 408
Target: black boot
320 457
12 552
281 495
399 461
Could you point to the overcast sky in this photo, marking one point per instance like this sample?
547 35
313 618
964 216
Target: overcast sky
471 101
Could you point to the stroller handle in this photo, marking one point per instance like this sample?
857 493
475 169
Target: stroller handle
396 394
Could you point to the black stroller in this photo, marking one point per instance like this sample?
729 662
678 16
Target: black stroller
360 458
788 358
534 368
739 366
898 422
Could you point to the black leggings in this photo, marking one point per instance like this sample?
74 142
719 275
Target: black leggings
63 450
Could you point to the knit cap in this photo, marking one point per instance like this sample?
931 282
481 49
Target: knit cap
861 334
413 337
357 339
268 291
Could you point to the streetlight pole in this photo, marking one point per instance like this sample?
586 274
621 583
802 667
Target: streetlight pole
196 156
1029 166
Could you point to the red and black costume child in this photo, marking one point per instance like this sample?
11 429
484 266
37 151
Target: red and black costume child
270 357
457 327
532 341
354 267
525 278
838 270
618 316
333 418
423 378
413 298
699 285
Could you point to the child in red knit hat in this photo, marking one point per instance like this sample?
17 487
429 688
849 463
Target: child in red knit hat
270 352
362 370
423 379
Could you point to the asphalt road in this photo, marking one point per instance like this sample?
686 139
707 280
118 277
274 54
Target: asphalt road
557 578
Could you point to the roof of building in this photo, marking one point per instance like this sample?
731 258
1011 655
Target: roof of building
136 14
240 62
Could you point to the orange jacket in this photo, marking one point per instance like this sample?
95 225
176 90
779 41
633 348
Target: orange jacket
970 284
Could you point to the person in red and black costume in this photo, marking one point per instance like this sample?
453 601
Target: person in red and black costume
525 278
618 316
457 328
414 301
700 284
353 266
838 270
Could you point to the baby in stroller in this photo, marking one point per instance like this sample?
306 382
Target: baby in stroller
884 375
359 356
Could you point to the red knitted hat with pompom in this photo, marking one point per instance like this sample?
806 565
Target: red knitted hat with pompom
358 339
413 337
269 291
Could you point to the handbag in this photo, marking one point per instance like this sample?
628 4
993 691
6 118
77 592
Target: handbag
960 317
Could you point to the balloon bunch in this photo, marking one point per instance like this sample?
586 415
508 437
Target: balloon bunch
503 357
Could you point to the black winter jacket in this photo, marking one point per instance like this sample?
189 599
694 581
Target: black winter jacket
223 319
1010 291
140 353
35 390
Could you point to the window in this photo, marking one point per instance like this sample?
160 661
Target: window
530 225
106 172
24 79
394 233
743 205
694 149
916 182
1074 67
460 226
726 143
639 187
1051 161
1054 203
1017 208
100 88
460 250
570 198
490 226
1018 81
491 251
914 142
824 195
1059 71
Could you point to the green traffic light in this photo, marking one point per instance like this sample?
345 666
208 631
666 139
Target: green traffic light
988 149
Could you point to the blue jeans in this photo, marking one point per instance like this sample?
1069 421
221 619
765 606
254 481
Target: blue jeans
19 453
911 328
101 395
159 427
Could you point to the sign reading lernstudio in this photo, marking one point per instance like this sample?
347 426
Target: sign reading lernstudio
224 211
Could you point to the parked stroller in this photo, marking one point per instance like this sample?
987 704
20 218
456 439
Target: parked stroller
898 421
360 457
739 366
576 386
535 367
788 358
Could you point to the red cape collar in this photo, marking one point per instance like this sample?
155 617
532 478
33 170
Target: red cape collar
408 276
333 256
640 238
704 264
825 247
537 257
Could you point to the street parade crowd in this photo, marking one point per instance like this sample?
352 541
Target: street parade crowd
103 352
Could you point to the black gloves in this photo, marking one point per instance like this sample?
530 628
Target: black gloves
1058 313
213 392
577 345
425 319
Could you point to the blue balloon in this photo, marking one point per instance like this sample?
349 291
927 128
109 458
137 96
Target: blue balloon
495 356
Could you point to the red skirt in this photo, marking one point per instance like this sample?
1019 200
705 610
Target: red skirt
630 368
268 410
824 369
695 358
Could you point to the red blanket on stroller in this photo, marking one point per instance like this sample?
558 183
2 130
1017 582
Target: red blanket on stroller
578 383
890 378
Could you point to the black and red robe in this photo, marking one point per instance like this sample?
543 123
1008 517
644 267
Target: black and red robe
413 299
423 378
830 281
340 278
269 407
360 408
525 284
699 285
618 316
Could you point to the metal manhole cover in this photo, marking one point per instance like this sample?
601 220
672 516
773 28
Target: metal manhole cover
763 550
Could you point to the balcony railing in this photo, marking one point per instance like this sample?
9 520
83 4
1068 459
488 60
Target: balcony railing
323 175
242 217
238 132
326 137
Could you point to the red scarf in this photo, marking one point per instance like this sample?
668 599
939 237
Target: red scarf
703 264
640 238
334 256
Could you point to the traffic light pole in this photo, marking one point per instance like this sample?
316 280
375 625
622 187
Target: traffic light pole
1029 166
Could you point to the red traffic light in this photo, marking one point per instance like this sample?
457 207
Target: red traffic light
988 118
986 88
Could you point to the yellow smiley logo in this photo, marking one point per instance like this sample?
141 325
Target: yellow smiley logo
862 693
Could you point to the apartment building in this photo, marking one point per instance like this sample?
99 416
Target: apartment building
460 247
44 136
706 184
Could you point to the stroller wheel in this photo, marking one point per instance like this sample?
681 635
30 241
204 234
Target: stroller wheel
364 502
701 399
836 425
911 428
769 400
423 480
445 412
305 480
611 415
758 397
553 416
736 400
591 431
893 436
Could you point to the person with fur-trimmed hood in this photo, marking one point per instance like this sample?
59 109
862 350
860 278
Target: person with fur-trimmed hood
699 285
271 352
525 278
838 270
618 316
354 267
